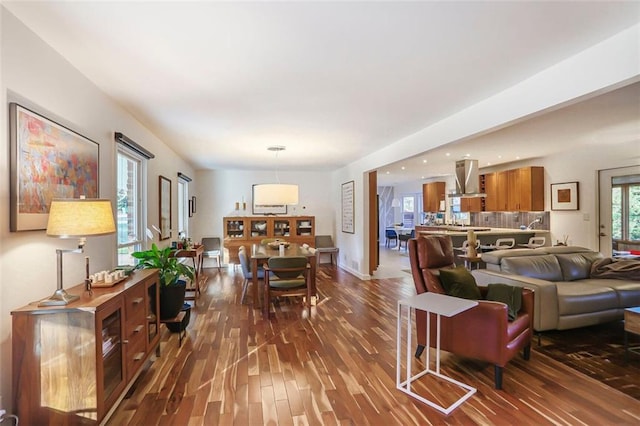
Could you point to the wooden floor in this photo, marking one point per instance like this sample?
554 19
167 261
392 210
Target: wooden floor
338 366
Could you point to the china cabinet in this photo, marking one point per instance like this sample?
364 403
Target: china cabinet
248 230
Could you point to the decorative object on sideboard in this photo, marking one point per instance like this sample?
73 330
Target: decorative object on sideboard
36 140
565 196
76 218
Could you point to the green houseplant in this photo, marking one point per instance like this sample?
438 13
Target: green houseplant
172 289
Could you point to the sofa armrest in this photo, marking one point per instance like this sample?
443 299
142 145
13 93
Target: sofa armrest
545 307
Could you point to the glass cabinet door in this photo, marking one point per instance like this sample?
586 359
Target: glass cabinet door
281 228
258 228
235 228
304 227
110 326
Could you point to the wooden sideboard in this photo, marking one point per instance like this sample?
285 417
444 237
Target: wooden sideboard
248 230
72 364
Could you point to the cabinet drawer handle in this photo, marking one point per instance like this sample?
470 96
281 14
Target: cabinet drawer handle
125 342
138 300
138 329
138 356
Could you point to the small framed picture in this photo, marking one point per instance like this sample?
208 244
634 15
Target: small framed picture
564 196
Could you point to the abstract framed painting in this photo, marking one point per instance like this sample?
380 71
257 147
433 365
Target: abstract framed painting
564 196
48 160
348 207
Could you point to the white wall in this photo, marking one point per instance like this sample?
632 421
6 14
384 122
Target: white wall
219 190
36 76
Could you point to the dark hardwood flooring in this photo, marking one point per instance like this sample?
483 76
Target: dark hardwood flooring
337 366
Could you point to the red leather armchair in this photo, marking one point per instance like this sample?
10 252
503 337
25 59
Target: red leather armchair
482 332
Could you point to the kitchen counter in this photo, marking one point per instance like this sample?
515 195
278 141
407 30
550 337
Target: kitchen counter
478 230
487 236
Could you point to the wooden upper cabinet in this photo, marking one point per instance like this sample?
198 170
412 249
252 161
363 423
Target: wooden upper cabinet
432 194
471 204
515 190
530 187
491 189
502 179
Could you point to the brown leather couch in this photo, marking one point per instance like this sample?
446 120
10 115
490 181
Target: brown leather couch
482 332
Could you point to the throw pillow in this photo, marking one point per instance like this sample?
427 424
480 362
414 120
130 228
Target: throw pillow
509 294
458 282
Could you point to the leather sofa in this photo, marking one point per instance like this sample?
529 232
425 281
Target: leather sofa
566 296
482 332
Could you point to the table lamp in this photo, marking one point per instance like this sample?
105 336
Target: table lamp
76 218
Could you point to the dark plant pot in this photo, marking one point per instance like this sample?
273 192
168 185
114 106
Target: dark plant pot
172 299
175 327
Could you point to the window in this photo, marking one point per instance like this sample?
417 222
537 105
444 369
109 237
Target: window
625 208
408 211
183 206
131 208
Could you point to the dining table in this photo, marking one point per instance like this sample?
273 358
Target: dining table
261 253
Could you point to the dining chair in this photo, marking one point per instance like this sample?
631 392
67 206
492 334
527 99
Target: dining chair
212 249
286 276
247 273
390 234
404 238
324 244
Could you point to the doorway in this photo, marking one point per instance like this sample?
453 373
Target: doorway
614 209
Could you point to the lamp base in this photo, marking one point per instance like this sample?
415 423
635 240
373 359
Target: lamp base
59 298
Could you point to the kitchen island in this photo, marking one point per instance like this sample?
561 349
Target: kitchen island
487 236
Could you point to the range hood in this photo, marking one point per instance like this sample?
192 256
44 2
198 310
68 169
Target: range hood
467 181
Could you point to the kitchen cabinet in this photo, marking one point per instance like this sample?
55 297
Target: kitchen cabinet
72 364
471 204
248 230
526 189
519 189
433 194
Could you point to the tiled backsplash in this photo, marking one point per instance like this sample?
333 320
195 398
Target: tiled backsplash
510 219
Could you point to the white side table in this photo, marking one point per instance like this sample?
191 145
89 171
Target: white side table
438 304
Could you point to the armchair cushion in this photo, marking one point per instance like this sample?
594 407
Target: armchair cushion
459 282
510 295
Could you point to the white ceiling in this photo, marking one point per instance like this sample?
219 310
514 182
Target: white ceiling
332 81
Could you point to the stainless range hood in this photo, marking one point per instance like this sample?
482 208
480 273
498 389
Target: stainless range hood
467 181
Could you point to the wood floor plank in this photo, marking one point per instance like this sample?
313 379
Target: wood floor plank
337 366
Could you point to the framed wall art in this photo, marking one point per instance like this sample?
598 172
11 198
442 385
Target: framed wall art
260 209
564 196
348 214
165 208
48 161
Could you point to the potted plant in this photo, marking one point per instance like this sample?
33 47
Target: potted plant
172 288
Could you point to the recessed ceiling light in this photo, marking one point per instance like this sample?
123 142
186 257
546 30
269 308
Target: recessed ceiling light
388 172
422 177
424 161
467 155
499 156
517 157
488 164
402 167
448 154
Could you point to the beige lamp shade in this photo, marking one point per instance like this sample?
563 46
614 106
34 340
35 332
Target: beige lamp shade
69 218
275 194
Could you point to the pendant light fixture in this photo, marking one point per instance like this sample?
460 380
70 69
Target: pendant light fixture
275 194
